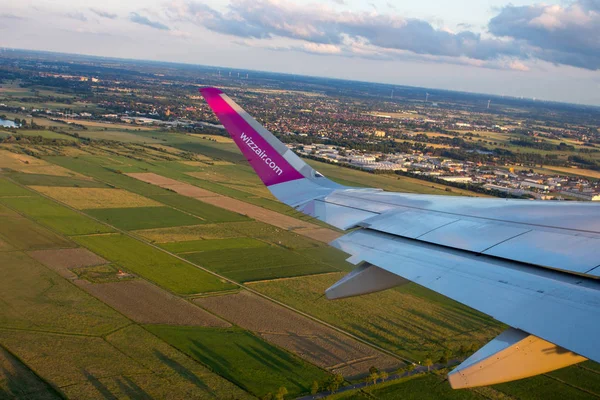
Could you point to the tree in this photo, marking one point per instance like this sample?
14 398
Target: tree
463 350
268 396
428 363
281 392
314 389
411 367
443 359
373 377
383 375
373 370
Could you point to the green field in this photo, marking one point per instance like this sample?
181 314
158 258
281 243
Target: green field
153 264
130 363
207 212
34 297
46 134
104 170
211 245
132 218
8 188
243 358
23 234
419 387
243 265
53 180
543 387
55 216
17 381
409 320
270 233
188 233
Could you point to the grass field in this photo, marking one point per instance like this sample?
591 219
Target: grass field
543 387
55 216
17 381
207 212
188 233
23 234
278 236
243 358
34 297
52 180
84 198
46 134
143 217
409 320
212 245
150 263
419 387
243 265
130 363
8 188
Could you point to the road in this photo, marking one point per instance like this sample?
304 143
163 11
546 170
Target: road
419 369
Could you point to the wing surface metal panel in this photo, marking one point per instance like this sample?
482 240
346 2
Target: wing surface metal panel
561 308
512 355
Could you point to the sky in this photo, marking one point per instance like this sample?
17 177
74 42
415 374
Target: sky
548 51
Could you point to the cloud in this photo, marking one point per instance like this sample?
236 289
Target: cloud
562 35
78 16
10 16
558 34
140 19
103 14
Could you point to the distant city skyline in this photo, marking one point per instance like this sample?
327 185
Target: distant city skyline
548 51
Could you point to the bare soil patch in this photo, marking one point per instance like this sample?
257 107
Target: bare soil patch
146 303
185 189
300 335
62 260
152 178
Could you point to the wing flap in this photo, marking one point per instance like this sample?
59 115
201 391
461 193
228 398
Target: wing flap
512 355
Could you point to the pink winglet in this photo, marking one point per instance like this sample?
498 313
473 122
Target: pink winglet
270 166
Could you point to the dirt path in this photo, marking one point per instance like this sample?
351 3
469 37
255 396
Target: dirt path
255 212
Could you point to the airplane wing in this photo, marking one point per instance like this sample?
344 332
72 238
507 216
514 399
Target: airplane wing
534 265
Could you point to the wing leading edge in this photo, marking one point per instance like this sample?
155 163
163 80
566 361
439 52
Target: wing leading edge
532 265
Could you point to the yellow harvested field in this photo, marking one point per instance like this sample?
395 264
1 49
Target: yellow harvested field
216 138
31 165
187 233
83 198
575 171
184 189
